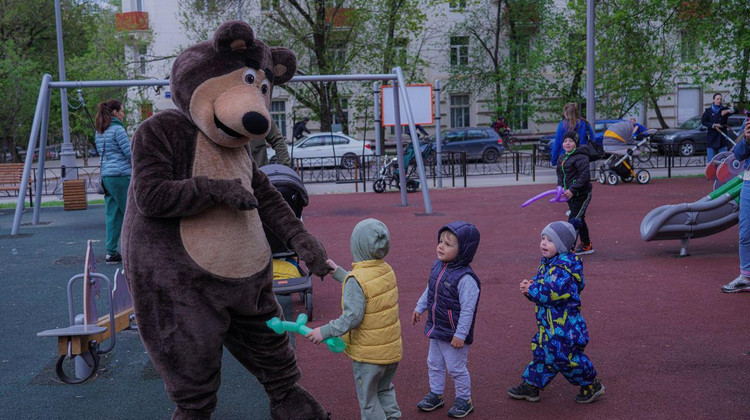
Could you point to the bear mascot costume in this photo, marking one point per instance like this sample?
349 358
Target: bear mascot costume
195 256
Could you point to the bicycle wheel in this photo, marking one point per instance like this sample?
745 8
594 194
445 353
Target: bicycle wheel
514 145
643 153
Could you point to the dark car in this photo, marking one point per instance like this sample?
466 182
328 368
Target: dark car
477 142
689 137
599 128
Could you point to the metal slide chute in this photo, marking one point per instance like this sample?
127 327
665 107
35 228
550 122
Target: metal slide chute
711 214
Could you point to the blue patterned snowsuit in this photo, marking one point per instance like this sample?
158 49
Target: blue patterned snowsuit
562 336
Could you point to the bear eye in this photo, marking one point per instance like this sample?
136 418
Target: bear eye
250 76
264 87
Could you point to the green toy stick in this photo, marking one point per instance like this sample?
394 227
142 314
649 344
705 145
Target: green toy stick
335 344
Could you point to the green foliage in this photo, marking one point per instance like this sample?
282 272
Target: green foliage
28 50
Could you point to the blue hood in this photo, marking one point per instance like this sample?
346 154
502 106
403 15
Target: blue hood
468 241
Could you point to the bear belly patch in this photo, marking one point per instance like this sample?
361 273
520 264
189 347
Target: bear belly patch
225 241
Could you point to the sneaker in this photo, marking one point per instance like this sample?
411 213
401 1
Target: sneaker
461 408
431 401
524 391
584 249
115 258
737 285
590 393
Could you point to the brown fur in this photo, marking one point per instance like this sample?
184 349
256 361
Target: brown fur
195 255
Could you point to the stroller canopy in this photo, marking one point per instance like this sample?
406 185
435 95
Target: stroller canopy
618 136
284 178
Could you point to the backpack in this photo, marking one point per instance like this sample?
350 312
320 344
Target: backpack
592 148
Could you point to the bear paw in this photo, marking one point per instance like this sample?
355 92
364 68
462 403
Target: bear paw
298 404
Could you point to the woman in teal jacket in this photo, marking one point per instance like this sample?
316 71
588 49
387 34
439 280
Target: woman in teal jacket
113 145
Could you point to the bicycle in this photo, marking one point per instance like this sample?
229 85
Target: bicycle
512 143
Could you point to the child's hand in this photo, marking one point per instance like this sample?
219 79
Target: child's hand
457 343
415 317
525 286
332 264
314 336
568 193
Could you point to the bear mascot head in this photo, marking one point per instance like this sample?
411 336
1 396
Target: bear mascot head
195 255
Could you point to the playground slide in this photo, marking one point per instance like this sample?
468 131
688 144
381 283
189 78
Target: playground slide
709 215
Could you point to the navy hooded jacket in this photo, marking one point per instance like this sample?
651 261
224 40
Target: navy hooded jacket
444 307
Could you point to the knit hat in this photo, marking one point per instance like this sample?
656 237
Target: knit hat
571 135
562 234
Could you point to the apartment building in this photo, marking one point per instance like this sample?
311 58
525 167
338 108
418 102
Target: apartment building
439 50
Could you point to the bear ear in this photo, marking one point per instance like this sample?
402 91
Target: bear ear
284 65
233 35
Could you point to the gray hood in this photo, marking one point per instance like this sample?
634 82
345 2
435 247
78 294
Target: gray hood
370 240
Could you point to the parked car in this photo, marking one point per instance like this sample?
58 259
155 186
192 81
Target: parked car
600 127
689 137
477 142
326 146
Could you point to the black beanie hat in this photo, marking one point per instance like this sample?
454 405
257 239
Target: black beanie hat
571 135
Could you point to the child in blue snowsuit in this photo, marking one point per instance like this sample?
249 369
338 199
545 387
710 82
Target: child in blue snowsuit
562 336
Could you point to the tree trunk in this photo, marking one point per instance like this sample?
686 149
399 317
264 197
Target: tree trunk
657 110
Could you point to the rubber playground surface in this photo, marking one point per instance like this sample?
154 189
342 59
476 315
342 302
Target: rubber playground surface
666 342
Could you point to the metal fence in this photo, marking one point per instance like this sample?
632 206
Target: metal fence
456 168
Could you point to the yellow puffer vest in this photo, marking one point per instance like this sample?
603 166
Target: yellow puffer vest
377 339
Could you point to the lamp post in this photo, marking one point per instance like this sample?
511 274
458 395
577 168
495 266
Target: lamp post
67 154
590 66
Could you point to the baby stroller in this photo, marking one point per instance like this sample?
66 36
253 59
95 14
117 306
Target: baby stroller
388 174
288 276
624 152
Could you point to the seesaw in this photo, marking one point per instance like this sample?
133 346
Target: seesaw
335 344
81 341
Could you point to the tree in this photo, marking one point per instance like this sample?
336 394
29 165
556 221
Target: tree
505 55
636 55
724 28
328 37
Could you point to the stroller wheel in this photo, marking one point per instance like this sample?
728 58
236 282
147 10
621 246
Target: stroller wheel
627 178
643 176
612 178
379 185
412 185
309 305
601 177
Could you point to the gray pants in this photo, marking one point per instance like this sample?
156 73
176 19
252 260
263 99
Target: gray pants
375 391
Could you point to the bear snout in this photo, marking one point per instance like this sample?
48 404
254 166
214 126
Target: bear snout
255 123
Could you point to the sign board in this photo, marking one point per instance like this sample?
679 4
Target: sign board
420 97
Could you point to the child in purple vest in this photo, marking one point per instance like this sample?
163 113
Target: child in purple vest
450 300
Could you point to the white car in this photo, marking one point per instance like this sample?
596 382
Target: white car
319 149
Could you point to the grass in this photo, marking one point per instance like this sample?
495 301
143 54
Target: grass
48 204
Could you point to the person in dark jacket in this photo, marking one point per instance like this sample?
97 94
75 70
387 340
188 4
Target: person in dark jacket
450 300
300 128
715 118
573 177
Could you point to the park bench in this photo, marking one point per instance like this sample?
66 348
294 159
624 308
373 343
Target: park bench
11 175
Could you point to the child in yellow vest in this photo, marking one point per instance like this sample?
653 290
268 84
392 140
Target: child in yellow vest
369 321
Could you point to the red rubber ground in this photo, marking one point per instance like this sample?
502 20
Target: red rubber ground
666 342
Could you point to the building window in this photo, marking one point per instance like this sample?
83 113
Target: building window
147 110
459 50
457 4
269 5
278 114
519 114
335 120
688 46
338 50
139 5
142 52
399 50
460 111
519 50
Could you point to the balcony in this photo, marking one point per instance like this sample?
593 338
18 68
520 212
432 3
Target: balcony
131 21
